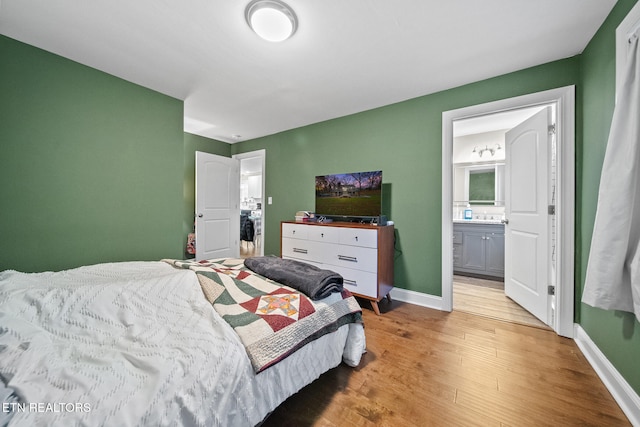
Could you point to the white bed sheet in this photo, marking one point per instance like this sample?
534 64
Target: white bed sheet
72 338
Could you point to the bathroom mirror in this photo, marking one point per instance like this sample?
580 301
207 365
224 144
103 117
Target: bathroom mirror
479 184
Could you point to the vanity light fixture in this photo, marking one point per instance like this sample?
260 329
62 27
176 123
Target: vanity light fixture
273 20
480 151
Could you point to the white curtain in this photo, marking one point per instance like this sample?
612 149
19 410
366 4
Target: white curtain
613 272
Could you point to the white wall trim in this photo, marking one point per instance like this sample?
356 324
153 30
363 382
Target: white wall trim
624 395
417 298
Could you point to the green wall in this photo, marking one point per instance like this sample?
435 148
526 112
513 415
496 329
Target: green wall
88 166
93 168
193 143
404 140
617 334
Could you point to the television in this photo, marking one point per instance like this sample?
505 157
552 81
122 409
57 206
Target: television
354 195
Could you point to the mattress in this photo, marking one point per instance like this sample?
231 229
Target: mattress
136 343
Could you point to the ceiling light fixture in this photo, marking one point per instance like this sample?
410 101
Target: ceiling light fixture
272 20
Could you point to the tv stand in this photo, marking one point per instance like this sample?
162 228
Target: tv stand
361 253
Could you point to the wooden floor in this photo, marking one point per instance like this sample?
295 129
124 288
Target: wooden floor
430 368
486 298
249 249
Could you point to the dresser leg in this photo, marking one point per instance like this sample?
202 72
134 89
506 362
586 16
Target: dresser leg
376 309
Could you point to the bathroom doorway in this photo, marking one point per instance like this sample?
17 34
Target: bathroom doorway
479 200
560 281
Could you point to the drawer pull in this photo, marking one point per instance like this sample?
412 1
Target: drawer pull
300 251
347 258
350 282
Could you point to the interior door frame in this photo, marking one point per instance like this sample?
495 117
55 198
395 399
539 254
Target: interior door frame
564 98
263 155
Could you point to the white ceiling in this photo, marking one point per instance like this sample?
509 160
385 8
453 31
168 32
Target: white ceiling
251 166
504 120
346 56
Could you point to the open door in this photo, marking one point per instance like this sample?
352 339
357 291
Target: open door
217 207
527 261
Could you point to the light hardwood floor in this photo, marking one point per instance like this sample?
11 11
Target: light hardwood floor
486 298
430 368
249 249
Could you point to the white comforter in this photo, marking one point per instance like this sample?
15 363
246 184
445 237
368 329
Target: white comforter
137 344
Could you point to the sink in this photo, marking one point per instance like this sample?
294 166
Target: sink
477 221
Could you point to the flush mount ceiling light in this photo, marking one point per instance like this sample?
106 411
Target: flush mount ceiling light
272 20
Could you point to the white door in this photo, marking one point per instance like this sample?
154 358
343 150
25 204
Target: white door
217 207
527 261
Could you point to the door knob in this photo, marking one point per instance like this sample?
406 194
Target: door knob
200 215
504 221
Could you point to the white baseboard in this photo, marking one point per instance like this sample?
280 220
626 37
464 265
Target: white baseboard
416 298
624 395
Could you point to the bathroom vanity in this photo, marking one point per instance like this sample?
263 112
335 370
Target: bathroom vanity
478 248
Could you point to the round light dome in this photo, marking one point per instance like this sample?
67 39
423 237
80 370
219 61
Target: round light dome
272 20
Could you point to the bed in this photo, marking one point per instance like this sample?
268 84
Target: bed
141 343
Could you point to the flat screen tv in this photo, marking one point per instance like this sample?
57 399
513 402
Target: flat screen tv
357 194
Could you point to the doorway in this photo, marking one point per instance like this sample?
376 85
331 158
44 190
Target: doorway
560 317
479 180
252 189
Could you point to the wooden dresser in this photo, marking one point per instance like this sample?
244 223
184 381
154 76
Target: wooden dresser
361 253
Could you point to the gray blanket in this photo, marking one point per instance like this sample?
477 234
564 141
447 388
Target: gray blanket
314 282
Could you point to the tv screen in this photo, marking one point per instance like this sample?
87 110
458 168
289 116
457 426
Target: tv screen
355 194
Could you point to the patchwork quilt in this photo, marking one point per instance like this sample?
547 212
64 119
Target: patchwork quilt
271 319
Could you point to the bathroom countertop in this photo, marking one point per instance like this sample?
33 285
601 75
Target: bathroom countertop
477 221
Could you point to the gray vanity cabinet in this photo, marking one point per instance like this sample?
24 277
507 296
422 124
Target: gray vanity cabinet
478 248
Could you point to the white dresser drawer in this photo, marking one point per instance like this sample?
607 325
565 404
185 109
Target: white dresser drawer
362 254
301 249
357 281
355 257
359 237
295 231
324 234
